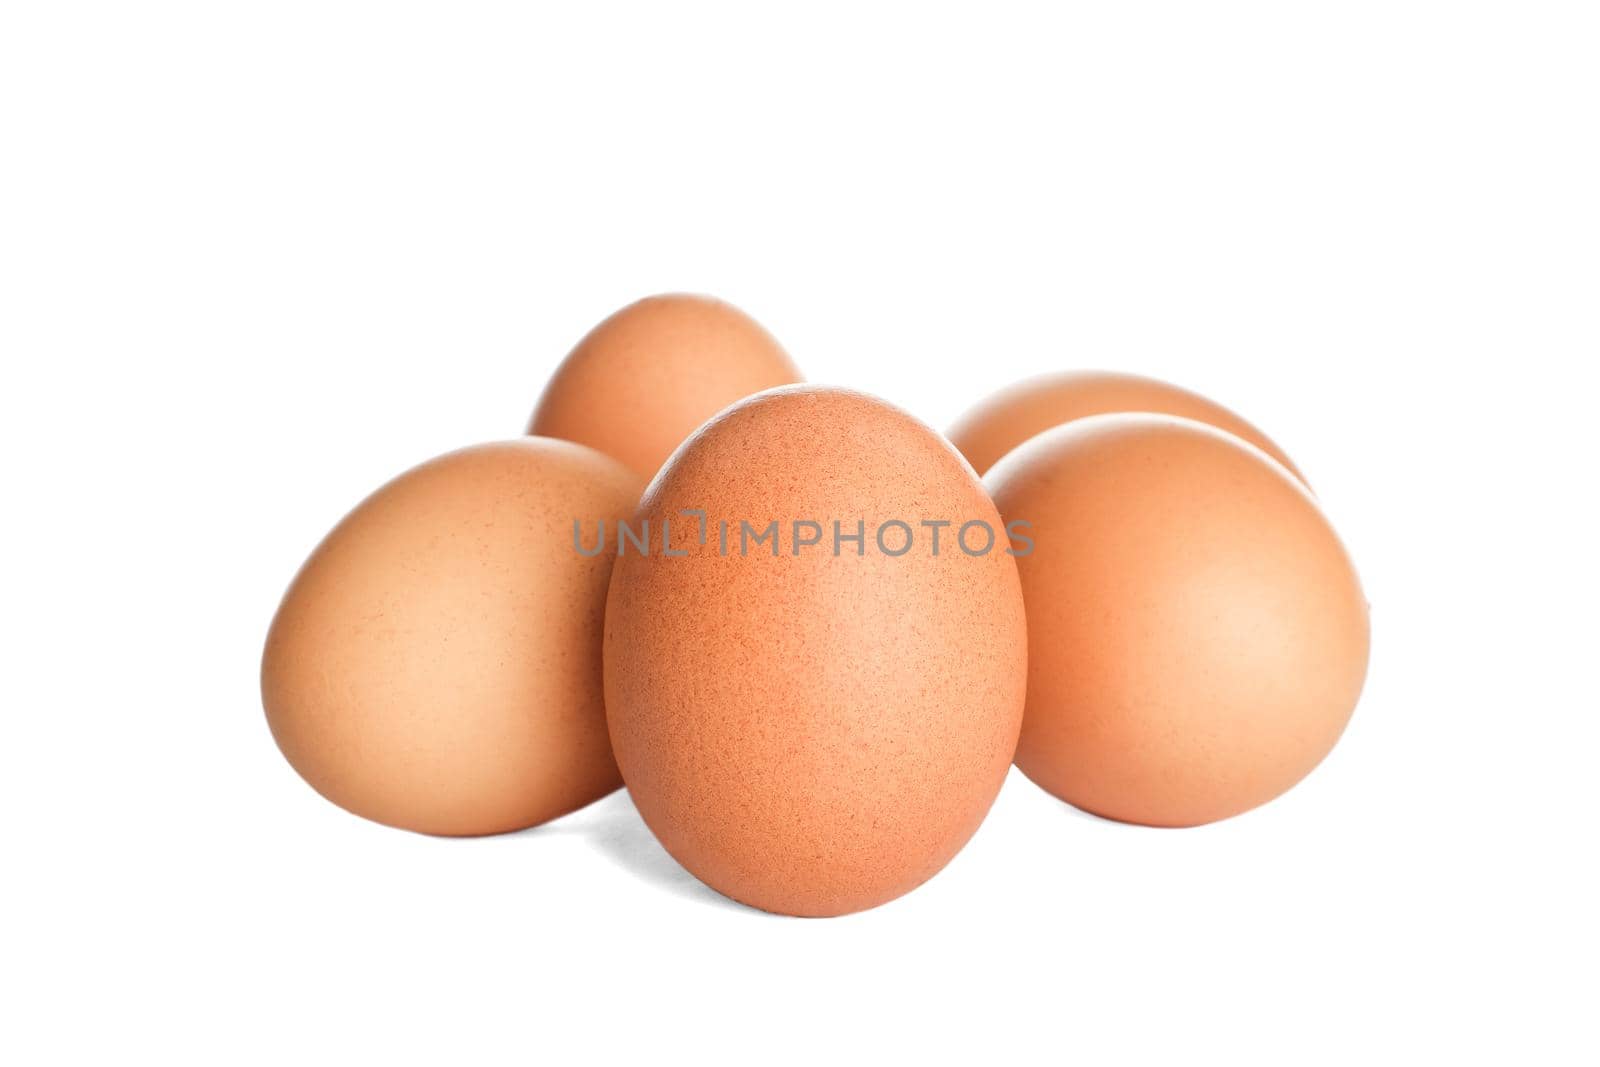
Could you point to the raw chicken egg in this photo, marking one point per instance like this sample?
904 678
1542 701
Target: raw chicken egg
435 665
816 666
1013 415
648 376
1197 634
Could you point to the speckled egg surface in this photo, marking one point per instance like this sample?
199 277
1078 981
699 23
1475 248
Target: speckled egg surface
815 726
1013 415
1197 634
649 375
435 665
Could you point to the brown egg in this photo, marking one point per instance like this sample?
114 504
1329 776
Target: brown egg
811 724
648 376
1197 634
1013 415
436 663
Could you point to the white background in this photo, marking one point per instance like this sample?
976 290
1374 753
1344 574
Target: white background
257 259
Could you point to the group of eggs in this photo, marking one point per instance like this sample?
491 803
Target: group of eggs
795 644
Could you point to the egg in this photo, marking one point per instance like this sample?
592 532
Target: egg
648 376
1198 637
815 672
1011 416
436 663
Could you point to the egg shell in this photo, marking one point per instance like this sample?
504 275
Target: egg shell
435 665
648 376
1198 637
815 734
1013 415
